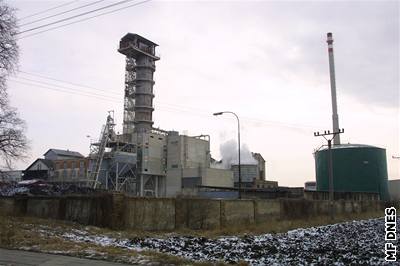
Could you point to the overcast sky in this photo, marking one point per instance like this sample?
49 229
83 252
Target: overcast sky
266 60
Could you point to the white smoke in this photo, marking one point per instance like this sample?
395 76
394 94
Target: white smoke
229 154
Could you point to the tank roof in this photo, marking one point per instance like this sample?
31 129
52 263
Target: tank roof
351 146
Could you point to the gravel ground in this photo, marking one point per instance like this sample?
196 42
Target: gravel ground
350 243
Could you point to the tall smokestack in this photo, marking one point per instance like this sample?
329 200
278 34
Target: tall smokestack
335 117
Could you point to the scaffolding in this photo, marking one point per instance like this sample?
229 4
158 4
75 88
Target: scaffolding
99 150
129 98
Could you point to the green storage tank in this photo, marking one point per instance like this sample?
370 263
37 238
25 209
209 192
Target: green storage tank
356 168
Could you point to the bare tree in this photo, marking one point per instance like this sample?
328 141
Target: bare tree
13 142
8 45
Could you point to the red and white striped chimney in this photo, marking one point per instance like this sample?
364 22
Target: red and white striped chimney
335 117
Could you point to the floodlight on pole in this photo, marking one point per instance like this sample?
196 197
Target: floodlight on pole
240 174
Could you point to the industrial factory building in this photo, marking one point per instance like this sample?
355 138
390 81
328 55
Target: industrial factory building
59 166
148 161
143 160
252 174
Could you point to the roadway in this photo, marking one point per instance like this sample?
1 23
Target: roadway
27 258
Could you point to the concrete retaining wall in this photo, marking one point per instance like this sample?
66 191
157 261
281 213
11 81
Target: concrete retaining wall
119 211
43 208
197 213
7 206
267 210
324 195
150 214
237 212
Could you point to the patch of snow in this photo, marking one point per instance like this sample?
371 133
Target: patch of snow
355 242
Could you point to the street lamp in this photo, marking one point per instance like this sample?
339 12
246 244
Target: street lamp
240 175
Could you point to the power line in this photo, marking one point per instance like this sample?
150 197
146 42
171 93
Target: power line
61 13
67 88
84 19
176 108
166 108
44 11
75 16
67 91
91 94
66 82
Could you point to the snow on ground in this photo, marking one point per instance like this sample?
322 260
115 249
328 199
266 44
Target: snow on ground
356 242
359 242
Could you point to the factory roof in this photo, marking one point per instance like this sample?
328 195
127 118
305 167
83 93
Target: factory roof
256 154
48 163
131 36
65 153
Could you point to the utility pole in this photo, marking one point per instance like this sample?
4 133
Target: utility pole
330 164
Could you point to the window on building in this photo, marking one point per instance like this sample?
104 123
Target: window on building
73 164
65 165
81 172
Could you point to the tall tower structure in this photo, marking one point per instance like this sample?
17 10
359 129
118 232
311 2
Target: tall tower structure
138 99
335 117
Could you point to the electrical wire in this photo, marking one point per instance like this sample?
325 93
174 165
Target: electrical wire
75 16
66 91
66 82
46 10
84 19
177 107
182 110
61 13
67 88
108 99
